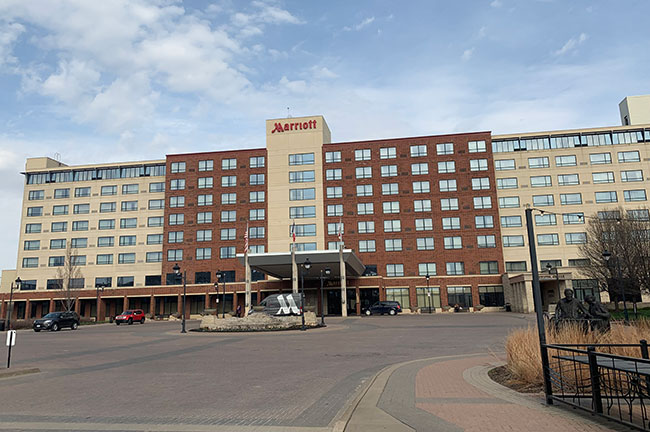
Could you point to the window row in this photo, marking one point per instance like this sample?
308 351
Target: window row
425 224
88 174
552 239
569 141
418 150
569 160
226 164
84 192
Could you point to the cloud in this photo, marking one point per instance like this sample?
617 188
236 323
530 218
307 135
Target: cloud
467 54
9 33
571 44
496 4
321 72
274 15
365 23
482 32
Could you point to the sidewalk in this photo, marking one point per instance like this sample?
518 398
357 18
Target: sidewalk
453 394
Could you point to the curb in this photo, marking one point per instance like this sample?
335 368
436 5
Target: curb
18 372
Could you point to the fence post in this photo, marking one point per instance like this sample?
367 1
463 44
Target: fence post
644 349
594 375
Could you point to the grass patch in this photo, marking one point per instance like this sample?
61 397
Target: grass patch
642 313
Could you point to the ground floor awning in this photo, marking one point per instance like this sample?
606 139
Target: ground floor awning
278 264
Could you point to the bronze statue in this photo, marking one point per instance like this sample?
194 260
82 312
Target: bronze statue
570 309
599 315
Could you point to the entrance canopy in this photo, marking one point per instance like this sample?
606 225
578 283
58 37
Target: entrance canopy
278 264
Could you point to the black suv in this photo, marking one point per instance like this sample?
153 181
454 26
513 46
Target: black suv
382 307
54 321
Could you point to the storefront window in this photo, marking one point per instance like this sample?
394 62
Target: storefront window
400 295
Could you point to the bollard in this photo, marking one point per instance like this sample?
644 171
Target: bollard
594 375
644 349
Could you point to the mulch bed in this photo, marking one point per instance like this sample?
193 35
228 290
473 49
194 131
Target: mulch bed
503 376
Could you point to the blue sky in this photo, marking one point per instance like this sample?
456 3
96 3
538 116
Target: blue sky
120 80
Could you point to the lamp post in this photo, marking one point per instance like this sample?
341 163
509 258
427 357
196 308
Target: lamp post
607 255
553 270
177 270
11 305
428 292
322 305
216 290
221 276
99 287
306 265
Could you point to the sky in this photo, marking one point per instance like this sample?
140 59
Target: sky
100 81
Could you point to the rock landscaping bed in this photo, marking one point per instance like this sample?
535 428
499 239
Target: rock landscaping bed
255 322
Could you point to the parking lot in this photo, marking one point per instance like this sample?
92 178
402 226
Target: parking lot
151 374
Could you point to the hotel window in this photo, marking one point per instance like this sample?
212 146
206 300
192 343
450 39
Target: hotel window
548 239
609 215
129 206
603 177
203 253
387 153
333 156
579 262
205 182
256 179
362 155
573 218
104 259
333 174
504 164
129 189
177 167
427 269
206 165
256 214
310 246
575 238
333 228
228 181
389 189
128 223
155 221
600 158
56 261
641 214
423 205
511 221
394 270
389 207
365 227
227 252
175 255
365 208
420 168
175 237
106 224
302 194
228 164
176 219
545 219
335 192
455 268
154 239
177 184
156 187
448 185
256 196
446 167
606 197
543 200
301 159
507 183
82 192
34 211
634 195
478 165
367 246
488 267
336 209
302 212
59 210
421 150
228 234
392 226
204 217
421 187
450 223
364 190
424 243
61 193
363 172
301 176
389 170
482 183
482 202
513 240
486 241
515 266
629 156
455 242
632 176
484 222
125 281
444 149
154 257
540 181
32 245
80 226
571 199
156 204
334 245
109 190
393 245
256 161
257 249
476 146
228 198
449 204
538 162
57 243
204 200
424 224
32 228
568 179
491 295
36 195
130 240
565 161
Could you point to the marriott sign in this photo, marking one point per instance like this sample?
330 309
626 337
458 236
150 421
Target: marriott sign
285 127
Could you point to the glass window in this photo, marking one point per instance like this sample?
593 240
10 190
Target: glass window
476 146
424 243
606 197
632 176
79 243
515 266
390 207
177 167
545 219
229 198
334 192
157 187
228 164
206 165
32 245
362 155
155 221
256 162
56 261
177 184
575 238
364 227
571 199
256 214
335 210
302 194
301 159
32 228
482 202
104 259
420 168
128 189
450 223
543 200
126 258
107 207
482 183
421 150
57 243
421 187
394 270
389 189
603 177
302 212
172 237
504 164
392 226
448 204
154 239
629 156
333 156
449 185
568 179
489 267
205 182
573 218
333 174
80 226
36 195
540 181
105 224
491 296
59 227
204 217
82 192
548 239
634 195
128 223
486 241
129 206
400 295
389 170
455 268
61 193
478 165
59 210
507 183
109 190
600 158
154 257
81 208
486 221
640 214
365 208
228 234
174 254
367 246
393 245
424 224
34 211
256 196
226 252
176 219
455 242
203 253
445 149
256 179
513 240
387 153
425 205
204 200
446 167
427 269
125 281
364 190
565 161
228 181
301 176
538 162
333 228
176 201
512 221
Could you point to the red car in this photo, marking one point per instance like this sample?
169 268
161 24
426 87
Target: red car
130 316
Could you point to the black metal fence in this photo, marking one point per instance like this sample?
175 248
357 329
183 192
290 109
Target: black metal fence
595 378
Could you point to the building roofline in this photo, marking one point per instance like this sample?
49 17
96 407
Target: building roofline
410 138
216 151
570 131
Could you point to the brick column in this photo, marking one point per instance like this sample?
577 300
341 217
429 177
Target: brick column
358 294
152 306
3 310
77 306
52 305
207 300
28 309
179 304
235 300
125 303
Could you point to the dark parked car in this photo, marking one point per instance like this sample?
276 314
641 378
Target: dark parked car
55 321
130 316
384 307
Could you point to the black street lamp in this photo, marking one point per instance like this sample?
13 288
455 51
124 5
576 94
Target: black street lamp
177 271
99 287
607 255
216 290
11 305
322 305
429 292
306 265
222 276
553 270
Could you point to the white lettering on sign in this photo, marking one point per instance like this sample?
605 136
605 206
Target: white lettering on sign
287 309
11 337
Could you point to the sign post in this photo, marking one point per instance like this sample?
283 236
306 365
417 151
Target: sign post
11 341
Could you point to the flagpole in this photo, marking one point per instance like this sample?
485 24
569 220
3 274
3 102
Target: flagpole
247 274
344 291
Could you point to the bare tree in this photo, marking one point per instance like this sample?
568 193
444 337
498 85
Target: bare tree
626 235
68 274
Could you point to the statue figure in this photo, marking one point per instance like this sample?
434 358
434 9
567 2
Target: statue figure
570 309
599 315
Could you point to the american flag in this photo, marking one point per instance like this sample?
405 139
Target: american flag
293 231
246 239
